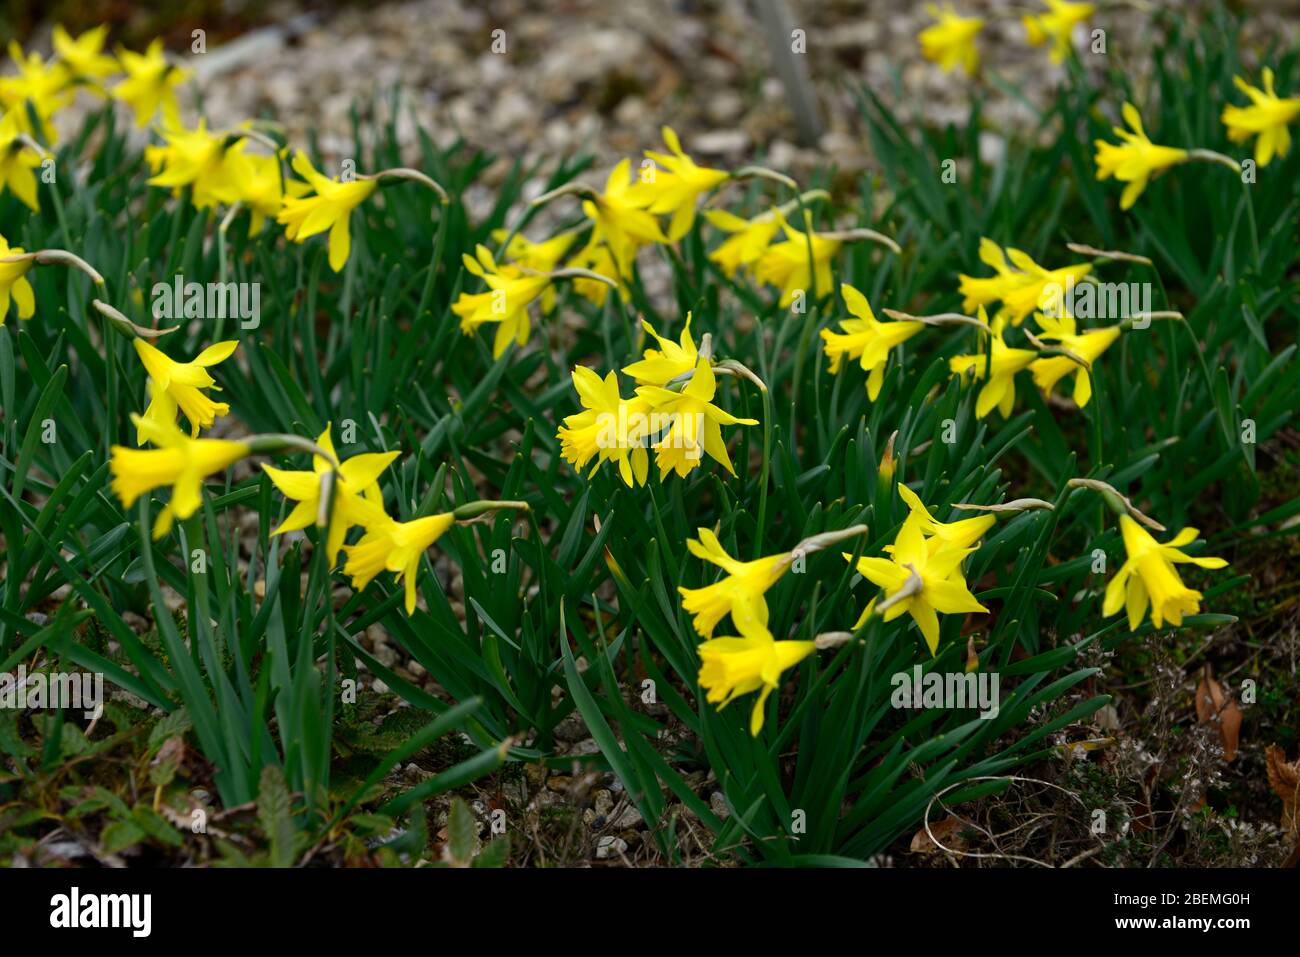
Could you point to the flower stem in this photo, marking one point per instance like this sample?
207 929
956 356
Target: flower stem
479 507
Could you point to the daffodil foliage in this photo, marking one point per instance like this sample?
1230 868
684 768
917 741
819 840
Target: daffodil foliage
975 410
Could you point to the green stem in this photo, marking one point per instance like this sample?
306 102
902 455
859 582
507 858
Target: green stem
764 470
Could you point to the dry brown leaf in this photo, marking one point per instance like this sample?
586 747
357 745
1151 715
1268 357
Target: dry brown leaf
1284 778
173 750
944 831
1213 706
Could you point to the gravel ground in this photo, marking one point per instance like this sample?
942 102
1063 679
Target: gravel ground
599 76
590 75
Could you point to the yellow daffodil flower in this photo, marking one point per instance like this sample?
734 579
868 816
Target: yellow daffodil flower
866 339
739 593
259 184
510 291
672 359
150 84
394 546
1041 288
180 385
357 499
1057 25
960 534
1000 390
676 188
84 57
610 428
1021 285
43 85
786 264
620 221
951 41
986 290
1266 117
17 160
696 423
1137 160
195 158
734 666
1149 577
920 579
13 283
330 208
178 460
748 241
1088 346
539 257
595 256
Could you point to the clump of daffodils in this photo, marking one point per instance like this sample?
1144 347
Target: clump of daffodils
732 666
336 495
1019 283
672 413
